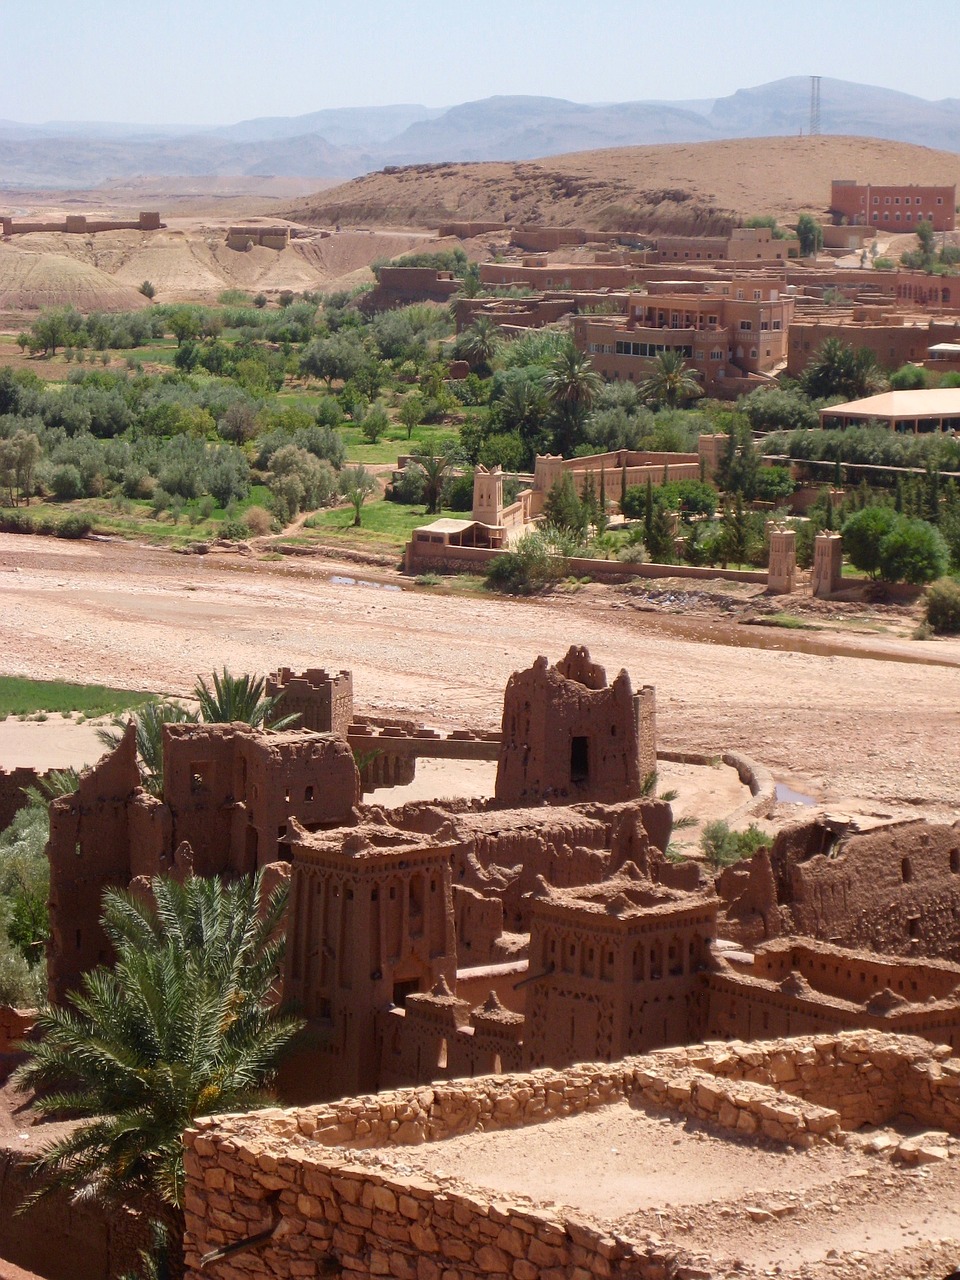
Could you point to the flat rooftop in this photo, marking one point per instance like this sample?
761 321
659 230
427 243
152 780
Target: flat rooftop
940 403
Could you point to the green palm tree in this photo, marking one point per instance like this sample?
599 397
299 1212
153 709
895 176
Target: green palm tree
149 719
184 1025
838 369
435 468
240 698
571 385
670 382
479 344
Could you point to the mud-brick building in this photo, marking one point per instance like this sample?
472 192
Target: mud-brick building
615 968
322 699
372 923
230 793
731 333
567 735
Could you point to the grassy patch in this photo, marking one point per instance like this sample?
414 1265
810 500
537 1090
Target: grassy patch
385 525
394 442
134 518
789 621
19 697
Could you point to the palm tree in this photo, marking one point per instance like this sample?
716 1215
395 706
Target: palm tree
356 485
479 344
571 385
149 719
240 698
670 382
184 1025
435 468
841 370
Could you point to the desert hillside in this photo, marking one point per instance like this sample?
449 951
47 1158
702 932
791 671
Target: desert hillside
694 187
189 260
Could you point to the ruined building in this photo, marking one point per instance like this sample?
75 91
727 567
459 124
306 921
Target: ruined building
230 793
541 927
567 735
322 699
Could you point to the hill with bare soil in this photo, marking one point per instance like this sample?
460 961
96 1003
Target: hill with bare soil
695 188
188 261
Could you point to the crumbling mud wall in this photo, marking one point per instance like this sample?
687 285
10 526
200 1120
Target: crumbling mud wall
567 736
62 1239
895 889
12 797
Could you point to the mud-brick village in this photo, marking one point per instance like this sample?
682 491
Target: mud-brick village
479 643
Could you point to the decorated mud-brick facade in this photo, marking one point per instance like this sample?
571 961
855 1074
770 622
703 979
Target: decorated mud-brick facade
568 736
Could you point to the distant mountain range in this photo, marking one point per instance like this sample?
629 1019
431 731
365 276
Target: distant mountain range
346 142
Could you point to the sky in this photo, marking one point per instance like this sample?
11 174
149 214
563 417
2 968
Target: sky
201 62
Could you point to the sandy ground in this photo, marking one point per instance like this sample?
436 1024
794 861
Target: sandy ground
188 260
836 725
55 743
764 1211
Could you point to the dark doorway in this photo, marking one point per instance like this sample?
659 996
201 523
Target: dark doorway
403 989
579 760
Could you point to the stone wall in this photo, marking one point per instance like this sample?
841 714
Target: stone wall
894 890
295 1175
79 224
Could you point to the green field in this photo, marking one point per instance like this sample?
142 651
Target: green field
384 525
20 697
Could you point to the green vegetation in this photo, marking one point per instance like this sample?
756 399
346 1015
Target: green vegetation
942 606
810 235
243 420
894 547
183 1025
722 847
24 888
21 697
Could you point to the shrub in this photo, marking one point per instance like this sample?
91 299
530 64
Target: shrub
66 483
258 520
942 606
722 847
13 521
862 535
528 568
409 485
234 531
74 526
913 551
774 483
458 492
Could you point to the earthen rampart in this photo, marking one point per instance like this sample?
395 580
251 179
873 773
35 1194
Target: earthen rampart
12 792
61 1238
79 224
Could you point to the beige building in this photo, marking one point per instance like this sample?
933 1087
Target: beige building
731 333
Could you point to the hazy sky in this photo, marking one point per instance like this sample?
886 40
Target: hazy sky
220 61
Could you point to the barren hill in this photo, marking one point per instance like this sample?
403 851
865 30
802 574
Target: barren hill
188 260
699 187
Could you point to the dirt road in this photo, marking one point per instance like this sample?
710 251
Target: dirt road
838 726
